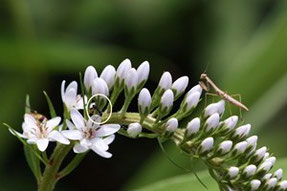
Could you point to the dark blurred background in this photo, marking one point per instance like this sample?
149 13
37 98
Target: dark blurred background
241 44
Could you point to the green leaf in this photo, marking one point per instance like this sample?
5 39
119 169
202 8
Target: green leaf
27 106
51 106
187 182
33 162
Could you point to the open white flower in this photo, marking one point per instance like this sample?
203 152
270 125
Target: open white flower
41 131
90 135
70 96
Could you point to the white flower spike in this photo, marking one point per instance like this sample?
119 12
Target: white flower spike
41 131
89 76
90 135
70 97
134 129
109 74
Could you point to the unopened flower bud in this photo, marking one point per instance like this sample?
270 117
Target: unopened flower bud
179 86
266 156
239 148
167 99
278 174
224 147
259 154
283 185
254 184
212 122
108 74
252 143
271 183
265 167
144 101
123 70
143 72
230 123
214 108
206 144
196 88
232 172
131 79
271 159
89 76
134 129
249 171
100 87
193 127
165 81
191 101
242 131
171 125
221 107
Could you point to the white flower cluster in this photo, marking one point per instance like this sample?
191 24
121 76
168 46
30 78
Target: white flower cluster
231 155
219 141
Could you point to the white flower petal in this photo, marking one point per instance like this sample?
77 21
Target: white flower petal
78 148
100 143
108 129
32 141
77 119
73 134
52 123
70 125
108 140
30 121
70 98
42 144
57 136
100 152
63 90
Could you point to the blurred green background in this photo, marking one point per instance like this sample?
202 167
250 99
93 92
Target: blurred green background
242 44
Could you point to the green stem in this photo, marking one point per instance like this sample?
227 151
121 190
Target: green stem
50 175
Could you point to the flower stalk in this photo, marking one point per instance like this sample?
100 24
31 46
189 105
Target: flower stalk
231 156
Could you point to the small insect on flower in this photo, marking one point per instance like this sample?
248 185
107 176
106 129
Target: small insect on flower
206 86
37 129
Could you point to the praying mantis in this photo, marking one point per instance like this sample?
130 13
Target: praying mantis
205 83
